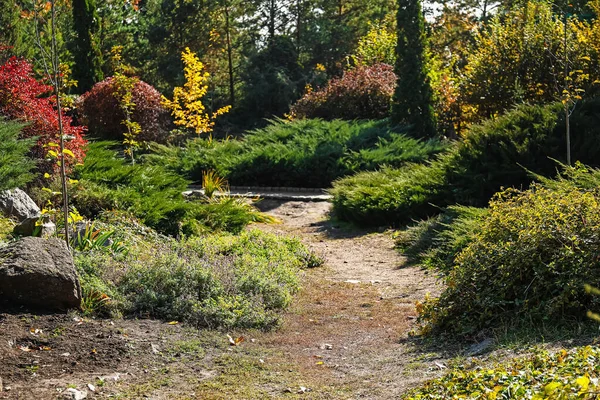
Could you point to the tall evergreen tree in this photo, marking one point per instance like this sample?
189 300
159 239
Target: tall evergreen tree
413 100
86 50
12 30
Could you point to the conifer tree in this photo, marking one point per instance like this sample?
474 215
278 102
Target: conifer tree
413 100
86 50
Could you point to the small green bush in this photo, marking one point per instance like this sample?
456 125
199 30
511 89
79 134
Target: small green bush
389 195
215 281
436 241
305 153
531 258
6 227
542 375
15 166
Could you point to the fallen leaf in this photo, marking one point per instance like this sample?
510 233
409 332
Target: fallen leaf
236 341
173 322
24 348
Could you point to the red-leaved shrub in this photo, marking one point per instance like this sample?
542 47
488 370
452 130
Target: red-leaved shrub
99 110
24 98
364 92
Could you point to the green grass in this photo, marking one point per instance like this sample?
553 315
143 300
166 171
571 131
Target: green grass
304 153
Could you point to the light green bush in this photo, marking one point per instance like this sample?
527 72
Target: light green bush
530 259
216 281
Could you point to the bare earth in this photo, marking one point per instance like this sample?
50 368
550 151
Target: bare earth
346 336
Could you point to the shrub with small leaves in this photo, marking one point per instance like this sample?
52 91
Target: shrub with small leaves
24 98
532 257
361 93
99 109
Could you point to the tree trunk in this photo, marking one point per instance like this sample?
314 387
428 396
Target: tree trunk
229 58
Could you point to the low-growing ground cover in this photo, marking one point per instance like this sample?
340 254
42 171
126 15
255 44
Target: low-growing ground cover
214 281
153 193
435 242
304 153
562 374
499 153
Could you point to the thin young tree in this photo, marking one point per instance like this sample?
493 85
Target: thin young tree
51 61
413 99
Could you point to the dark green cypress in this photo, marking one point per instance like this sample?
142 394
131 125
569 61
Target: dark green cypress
413 100
86 50
12 29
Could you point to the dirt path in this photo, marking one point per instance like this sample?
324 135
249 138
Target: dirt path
346 335
349 330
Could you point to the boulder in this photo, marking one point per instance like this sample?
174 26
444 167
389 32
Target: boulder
39 273
16 203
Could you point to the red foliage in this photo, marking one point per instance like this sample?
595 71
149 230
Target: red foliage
100 111
362 93
24 98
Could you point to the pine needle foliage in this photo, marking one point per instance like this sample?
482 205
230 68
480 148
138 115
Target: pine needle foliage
15 166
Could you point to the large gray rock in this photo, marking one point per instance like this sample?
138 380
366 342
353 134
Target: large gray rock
16 203
39 273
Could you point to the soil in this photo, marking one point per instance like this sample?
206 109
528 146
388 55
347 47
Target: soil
347 335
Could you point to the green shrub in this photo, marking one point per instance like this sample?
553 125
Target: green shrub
436 241
215 281
15 166
153 193
305 153
499 153
542 375
390 195
531 258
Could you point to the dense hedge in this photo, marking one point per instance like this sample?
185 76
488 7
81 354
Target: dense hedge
499 153
304 153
